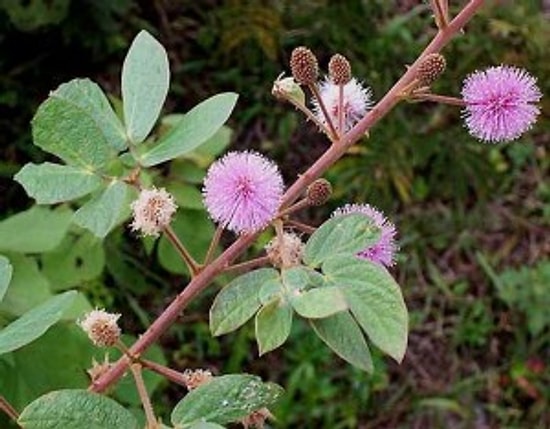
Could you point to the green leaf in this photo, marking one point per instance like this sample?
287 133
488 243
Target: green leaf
187 196
375 300
238 301
76 409
273 323
196 127
145 81
33 324
319 302
36 230
76 260
225 399
53 183
346 234
28 287
104 212
342 334
77 124
205 425
6 271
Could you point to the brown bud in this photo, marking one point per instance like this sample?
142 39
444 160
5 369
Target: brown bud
339 70
318 192
431 67
304 66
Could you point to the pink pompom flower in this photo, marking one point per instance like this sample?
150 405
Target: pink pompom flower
243 191
383 251
357 101
500 103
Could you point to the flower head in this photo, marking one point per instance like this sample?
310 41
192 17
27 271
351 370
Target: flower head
242 191
153 211
500 103
101 327
357 101
289 252
383 251
195 378
304 66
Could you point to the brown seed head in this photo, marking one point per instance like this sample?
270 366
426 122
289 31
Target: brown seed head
288 253
304 66
318 192
339 70
430 69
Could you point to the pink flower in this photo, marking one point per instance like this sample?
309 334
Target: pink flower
357 101
383 251
243 191
500 103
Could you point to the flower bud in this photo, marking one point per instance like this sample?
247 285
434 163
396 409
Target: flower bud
304 66
98 369
153 211
101 327
289 252
287 89
194 378
339 70
431 67
318 192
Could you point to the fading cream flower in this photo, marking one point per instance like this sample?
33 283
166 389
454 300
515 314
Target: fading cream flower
153 211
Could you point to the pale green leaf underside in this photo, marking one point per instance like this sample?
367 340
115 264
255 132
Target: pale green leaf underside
196 127
51 183
238 301
104 212
319 302
76 409
145 81
6 271
225 399
77 124
273 323
375 301
341 333
35 230
33 324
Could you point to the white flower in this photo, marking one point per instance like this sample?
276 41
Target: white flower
153 211
357 101
101 327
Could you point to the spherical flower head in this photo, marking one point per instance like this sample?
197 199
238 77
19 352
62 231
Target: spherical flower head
289 253
383 251
357 101
243 191
153 211
500 103
101 327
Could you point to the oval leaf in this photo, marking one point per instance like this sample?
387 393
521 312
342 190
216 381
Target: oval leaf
77 124
33 324
76 409
36 230
375 300
225 399
239 300
273 323
53 183
104 212
320 302
6 271
341 333
196 127
340 235
145 81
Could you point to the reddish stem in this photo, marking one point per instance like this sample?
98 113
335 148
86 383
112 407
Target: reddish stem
204 278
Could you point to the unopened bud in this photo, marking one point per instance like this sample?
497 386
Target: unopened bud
195 378
287 89
339 70
304 66
98 369
318 192
153 211
101 327
286 254
431 67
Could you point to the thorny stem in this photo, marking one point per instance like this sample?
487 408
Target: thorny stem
168 373
213 245
152 422
205 277
302 204
301 226
341 112
8 409
309 114
436 98
192 265
315 91
440 10
247 265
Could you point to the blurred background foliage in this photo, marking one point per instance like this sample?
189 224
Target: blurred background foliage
474 219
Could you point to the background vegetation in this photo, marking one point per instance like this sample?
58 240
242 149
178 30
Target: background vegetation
474 219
